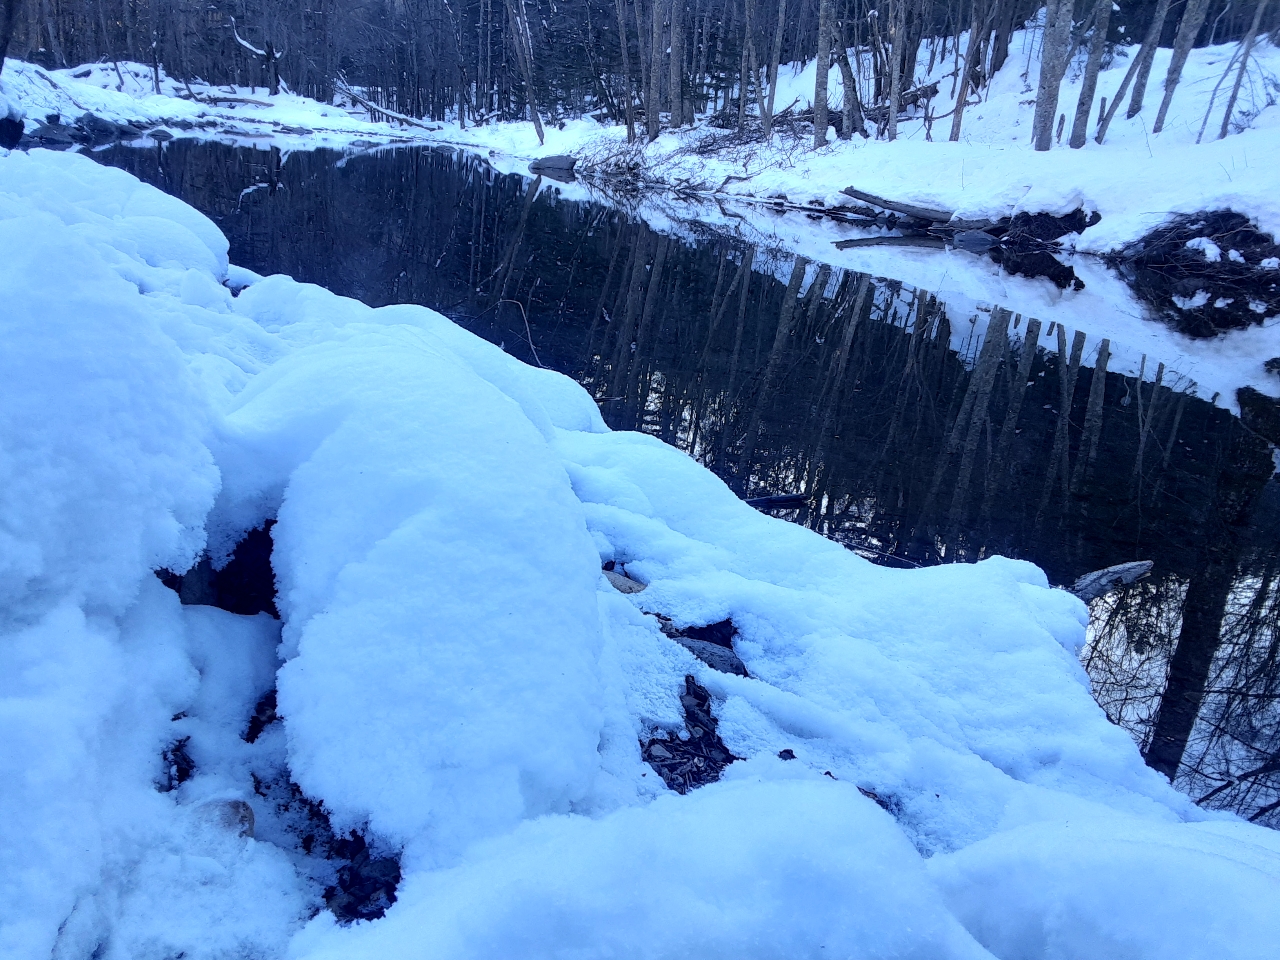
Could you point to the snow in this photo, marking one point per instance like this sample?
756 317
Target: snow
459 681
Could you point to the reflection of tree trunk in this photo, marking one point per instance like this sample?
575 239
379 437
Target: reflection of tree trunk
1060 459
731 390
624 352
835 394
1000 464
1198 641
786 318
636 391
1092 419
518 238
1246 470
993 350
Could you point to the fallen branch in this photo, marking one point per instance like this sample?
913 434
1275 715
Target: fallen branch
906 209
373 107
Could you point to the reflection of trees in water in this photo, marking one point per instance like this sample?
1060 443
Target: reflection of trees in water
916 436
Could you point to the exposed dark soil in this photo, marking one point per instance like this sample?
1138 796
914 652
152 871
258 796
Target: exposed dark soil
1202 290
699 758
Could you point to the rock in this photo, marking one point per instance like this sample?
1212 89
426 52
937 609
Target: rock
1272 366
160 135
787 754
557 168
234 816
623 584
714 656
178 766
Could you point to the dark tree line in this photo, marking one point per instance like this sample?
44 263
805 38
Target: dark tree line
647 63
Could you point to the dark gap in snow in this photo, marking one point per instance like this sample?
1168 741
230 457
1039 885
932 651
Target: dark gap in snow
712 644
699 758
264 714
360 883
885 801
1204 273
178 766
246 585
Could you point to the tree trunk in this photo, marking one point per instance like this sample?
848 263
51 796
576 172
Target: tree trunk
524 53
967 74
775 58
652 105
1084 106
676 80
1054 54
1246 48
821 72
1192 21
8 17
1142 63
626 68
851 118
895 67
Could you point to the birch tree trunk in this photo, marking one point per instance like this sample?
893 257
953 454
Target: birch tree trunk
1084 106
822 69
1142 63
524 53
1055 52
895 66
966 76
1192 21
1246 48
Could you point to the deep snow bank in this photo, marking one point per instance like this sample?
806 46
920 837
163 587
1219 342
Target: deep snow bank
458 679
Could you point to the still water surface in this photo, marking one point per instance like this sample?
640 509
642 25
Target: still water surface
916 435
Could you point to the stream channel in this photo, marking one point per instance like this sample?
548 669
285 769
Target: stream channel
916 434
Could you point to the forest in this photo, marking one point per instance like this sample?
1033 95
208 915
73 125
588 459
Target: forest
651 64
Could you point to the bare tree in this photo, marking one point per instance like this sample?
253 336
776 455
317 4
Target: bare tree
822 70
1246 48
1192 21
1055 52
271 58
1097 45
8 19
1142 63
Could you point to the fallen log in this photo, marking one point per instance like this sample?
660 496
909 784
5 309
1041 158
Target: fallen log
906 209
927 242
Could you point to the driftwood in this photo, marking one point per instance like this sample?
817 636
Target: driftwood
1101 582
782 501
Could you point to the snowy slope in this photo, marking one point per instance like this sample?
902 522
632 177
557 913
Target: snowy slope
459 680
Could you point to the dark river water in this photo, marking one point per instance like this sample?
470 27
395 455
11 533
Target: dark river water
913 437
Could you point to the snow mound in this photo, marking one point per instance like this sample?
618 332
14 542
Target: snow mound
923 772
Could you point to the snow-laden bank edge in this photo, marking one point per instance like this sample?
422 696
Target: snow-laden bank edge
458 680
1135 181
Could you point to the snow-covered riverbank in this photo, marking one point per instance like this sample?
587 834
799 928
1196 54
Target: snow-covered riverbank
922 771
1134 180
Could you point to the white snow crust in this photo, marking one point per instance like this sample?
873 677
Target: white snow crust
458 679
